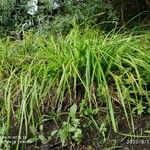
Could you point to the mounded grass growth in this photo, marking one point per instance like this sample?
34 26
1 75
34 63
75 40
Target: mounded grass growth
41 77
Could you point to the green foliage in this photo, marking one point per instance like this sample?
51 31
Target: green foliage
93 12
105 14
70 130
97 10
46 73
85 110
6 8
36 136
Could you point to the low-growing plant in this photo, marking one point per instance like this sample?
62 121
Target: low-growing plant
70 130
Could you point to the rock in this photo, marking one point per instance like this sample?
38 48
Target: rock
45 147
32 7
56 5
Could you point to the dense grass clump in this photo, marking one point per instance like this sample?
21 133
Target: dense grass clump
41 77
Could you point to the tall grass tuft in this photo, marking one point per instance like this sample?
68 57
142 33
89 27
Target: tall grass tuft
41 75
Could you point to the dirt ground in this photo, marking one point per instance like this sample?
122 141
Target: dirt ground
92 140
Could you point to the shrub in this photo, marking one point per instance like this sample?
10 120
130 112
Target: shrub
97 11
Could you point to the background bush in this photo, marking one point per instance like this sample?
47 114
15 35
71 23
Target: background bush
104 13
14 13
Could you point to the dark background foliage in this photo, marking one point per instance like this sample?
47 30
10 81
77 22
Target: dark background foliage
104 13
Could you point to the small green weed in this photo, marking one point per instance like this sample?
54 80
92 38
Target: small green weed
70 130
